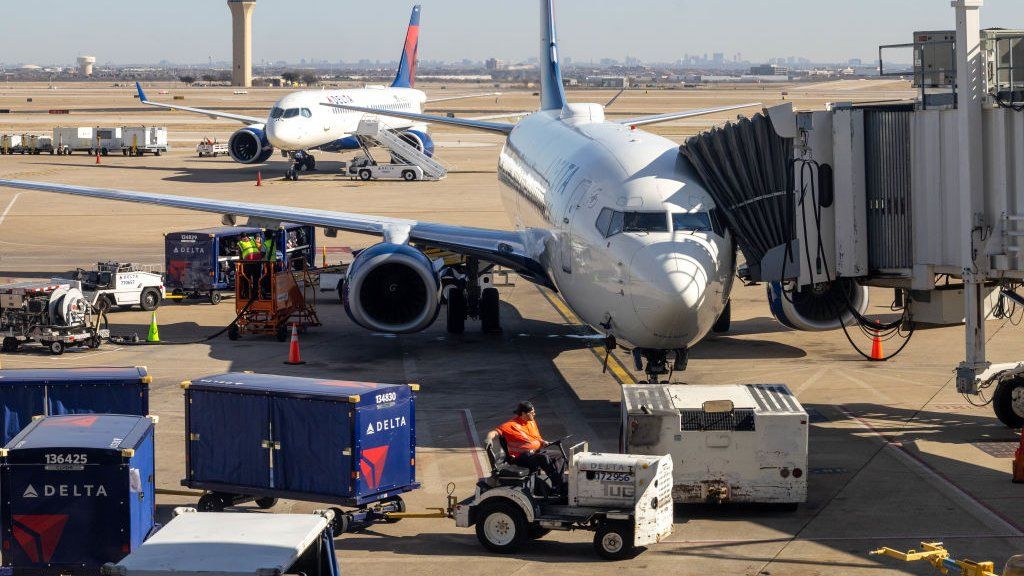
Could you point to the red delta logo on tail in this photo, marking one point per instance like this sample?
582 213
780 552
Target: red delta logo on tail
38 534
406 77
371 465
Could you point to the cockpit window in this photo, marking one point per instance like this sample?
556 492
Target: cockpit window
691 222
291 113
611 222
306 113
276 112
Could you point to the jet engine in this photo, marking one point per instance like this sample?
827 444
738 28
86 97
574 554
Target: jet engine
392 288
420 140
250 145
818 307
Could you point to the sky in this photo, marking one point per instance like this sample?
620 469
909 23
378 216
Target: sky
195 31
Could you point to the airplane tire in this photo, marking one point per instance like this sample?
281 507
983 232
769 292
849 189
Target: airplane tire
309 163
1002 402
365 174
724 321
490 317
456 312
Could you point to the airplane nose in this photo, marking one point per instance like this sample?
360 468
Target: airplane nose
669 288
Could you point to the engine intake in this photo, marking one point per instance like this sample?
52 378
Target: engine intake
392 288
419 140
819 307
250 145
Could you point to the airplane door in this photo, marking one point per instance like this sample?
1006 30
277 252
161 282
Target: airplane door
567 223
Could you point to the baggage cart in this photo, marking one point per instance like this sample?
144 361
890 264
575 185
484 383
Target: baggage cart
29 392
201 263
140 140
732 443
78 493
262 437
235 544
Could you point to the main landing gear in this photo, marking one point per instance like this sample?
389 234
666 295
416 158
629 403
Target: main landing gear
467 299
655 363
301 160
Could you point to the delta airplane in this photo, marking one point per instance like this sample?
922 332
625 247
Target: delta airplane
297 123
610 216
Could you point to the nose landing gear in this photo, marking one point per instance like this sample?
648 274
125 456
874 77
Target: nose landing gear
657 363
301 160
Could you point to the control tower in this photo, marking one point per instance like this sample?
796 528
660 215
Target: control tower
241 41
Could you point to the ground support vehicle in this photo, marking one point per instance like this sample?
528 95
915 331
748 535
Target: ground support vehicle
54 313
625 499
730 443
365 168
29 392
78 493
114 284
235 544
270 300
260 437
211 148
140 140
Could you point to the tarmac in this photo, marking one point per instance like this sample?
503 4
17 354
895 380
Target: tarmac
896 456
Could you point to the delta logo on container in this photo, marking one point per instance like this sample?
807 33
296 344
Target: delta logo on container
385 425
39 534
66 491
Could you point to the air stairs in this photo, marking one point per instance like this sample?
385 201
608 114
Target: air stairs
401 151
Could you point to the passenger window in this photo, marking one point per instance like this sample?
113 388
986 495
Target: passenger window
691 222
306 113
645 222
276 112
291 113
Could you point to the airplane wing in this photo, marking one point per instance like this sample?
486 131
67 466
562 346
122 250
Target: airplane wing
644 120
211 113
461 97
498 127
507 248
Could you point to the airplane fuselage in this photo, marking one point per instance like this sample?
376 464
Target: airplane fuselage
299 122
628 234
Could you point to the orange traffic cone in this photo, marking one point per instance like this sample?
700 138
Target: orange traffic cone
293 348
876 348
1018 462
259 178
97 156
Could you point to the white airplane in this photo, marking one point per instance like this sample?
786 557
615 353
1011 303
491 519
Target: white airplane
612 217
298 124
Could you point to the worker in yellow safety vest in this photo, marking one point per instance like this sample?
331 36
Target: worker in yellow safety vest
248 249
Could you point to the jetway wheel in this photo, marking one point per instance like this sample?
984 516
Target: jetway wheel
1008 402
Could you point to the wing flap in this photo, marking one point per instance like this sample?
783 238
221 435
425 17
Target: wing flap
656 118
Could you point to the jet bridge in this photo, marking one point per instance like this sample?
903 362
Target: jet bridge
925 197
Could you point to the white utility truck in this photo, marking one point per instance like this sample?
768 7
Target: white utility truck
211 148
625 499
140 140
114 284
365 168
730 443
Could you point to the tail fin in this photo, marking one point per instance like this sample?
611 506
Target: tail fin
406 77
552 95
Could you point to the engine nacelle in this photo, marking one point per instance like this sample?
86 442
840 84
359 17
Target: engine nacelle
392 288
250 145
421 140
819 307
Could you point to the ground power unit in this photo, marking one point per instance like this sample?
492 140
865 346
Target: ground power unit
735 443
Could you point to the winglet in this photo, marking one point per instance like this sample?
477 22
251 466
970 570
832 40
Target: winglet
142 95
552 94
406 76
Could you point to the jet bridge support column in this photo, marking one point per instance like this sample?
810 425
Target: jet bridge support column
970 96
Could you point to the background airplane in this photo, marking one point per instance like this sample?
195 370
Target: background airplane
612 217
297 124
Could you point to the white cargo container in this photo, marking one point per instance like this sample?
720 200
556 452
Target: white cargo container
109 139
138 140
735 443
68 139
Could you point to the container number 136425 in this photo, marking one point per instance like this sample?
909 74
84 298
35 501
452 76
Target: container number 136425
67 459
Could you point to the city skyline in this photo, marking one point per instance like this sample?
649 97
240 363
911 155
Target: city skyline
198 31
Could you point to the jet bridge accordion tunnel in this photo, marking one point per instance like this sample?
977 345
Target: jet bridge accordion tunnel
770 201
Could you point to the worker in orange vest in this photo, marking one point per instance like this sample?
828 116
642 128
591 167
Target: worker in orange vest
526 445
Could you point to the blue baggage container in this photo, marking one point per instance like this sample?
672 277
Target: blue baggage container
25 393
203 261
78 491
264 437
